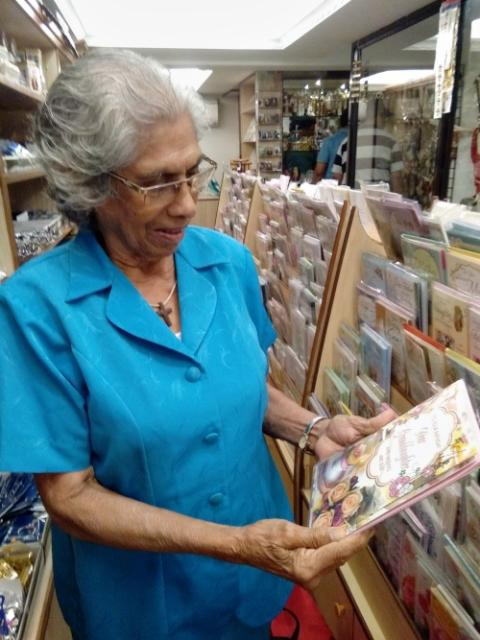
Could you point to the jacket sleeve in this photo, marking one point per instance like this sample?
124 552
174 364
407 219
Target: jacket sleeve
43 421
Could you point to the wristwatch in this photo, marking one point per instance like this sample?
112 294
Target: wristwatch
304 443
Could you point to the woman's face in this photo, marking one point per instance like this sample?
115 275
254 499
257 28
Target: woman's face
145 229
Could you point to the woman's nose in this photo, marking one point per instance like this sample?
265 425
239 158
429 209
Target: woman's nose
184 203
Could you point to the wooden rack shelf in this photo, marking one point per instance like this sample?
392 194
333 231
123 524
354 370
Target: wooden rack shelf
22 175
22 20
16 96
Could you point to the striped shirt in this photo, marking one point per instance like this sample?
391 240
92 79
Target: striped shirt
378 155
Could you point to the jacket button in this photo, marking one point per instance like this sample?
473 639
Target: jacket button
216 499
193 374
211 438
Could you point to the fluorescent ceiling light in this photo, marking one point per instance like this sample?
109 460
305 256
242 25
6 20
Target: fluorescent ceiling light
189 24
475 32
430 44
191 76
394 77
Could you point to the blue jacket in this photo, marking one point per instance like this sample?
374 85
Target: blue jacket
89 375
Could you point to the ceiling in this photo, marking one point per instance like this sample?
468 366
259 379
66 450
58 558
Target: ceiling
326 46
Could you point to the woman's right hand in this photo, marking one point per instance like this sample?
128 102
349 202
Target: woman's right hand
297 553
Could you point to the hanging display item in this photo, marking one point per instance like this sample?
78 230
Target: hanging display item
445 56
475 148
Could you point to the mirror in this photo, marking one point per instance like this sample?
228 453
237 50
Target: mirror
465 170
397 135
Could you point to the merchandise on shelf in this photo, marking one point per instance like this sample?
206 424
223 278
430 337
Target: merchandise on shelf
16 156
36 231
23 532
234 213
422 299
23 67
294 243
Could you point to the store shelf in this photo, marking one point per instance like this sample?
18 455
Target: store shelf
16 96
22 175
71 229
39 602
287 453
22 20
375 601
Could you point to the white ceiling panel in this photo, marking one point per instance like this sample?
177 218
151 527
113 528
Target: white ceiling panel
209 35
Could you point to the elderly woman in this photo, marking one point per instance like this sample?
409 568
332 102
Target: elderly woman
133 385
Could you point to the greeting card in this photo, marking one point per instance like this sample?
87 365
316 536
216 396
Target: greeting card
429 447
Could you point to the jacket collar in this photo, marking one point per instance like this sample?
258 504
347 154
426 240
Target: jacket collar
198 252
91 270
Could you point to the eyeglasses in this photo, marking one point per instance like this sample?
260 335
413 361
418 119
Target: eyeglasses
165 192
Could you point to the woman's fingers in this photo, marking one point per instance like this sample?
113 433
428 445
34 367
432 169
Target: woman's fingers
318 562
298 553
366 426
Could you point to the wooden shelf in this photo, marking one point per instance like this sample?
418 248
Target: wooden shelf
23 175
375 601
22 21
16 96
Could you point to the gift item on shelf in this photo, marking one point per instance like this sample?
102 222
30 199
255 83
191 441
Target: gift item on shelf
24 67
408 115
268 113
23 536
30 63
37 231
15 156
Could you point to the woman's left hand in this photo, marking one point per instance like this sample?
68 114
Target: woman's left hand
342 431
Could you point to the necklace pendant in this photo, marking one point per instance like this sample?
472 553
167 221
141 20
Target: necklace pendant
164 313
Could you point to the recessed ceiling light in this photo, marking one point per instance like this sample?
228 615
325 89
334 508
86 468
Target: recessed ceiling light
318 82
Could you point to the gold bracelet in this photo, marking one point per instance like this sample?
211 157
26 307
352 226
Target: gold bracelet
303 443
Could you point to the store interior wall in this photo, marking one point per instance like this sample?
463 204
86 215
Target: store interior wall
220 142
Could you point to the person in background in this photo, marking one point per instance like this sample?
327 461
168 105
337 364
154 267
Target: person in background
133 365
378 157
328 150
